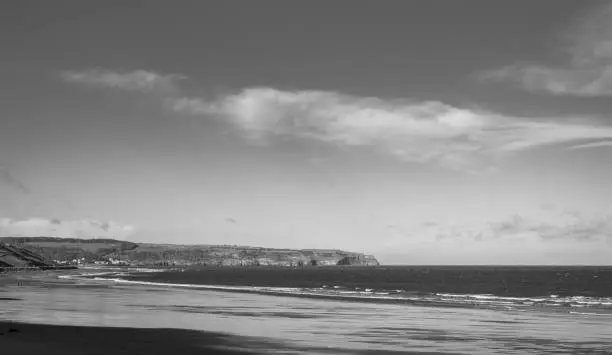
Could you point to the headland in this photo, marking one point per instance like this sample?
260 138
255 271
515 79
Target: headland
41 252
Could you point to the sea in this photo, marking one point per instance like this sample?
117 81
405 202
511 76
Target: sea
337 310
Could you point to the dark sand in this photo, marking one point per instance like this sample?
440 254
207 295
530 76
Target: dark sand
35 339
41 339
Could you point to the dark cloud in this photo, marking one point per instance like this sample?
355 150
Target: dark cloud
231 220
105 226
55 221
516 224
102 225
7 177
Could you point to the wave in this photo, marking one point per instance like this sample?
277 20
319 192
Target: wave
553 300
84 275
596 305
119 268
592 314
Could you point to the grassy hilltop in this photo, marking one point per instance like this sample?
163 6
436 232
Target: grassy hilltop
115 251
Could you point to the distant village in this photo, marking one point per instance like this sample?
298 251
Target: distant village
330 259
85 261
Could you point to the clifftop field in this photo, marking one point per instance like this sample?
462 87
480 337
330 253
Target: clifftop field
111 251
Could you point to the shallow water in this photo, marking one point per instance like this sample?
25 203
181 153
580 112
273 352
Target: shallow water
306 325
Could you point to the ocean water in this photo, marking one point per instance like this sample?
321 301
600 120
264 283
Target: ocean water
335 311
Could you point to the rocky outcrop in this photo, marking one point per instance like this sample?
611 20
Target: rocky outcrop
359 259
115 251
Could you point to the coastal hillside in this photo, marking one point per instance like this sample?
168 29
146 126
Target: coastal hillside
12 256
111 251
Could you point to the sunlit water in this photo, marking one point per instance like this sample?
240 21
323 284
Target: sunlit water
305 323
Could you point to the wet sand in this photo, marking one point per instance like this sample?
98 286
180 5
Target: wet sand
34 339
17 338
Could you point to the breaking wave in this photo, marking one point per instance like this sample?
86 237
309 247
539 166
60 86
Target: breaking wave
600 306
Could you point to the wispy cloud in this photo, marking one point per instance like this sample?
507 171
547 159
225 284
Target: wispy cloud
138 80
8 178
560 226
423 132
589 71
82 228
601 144
414 131
546 226
575 81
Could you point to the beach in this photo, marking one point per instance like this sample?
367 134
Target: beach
75 311
32 339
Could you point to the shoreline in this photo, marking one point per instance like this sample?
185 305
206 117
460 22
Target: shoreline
421 300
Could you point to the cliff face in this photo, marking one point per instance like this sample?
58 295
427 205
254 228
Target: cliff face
119 252
359 259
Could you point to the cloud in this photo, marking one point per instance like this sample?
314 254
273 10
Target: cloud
8 178
138 80
553 227
231 220
575 81
83 228
592 145
102 225
421 132
545 226
589 71
428 132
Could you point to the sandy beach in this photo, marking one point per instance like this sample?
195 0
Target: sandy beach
34 339
67 313
18 338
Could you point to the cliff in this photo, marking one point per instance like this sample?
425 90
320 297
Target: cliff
70 251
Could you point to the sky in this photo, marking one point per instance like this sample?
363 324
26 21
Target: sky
423 132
